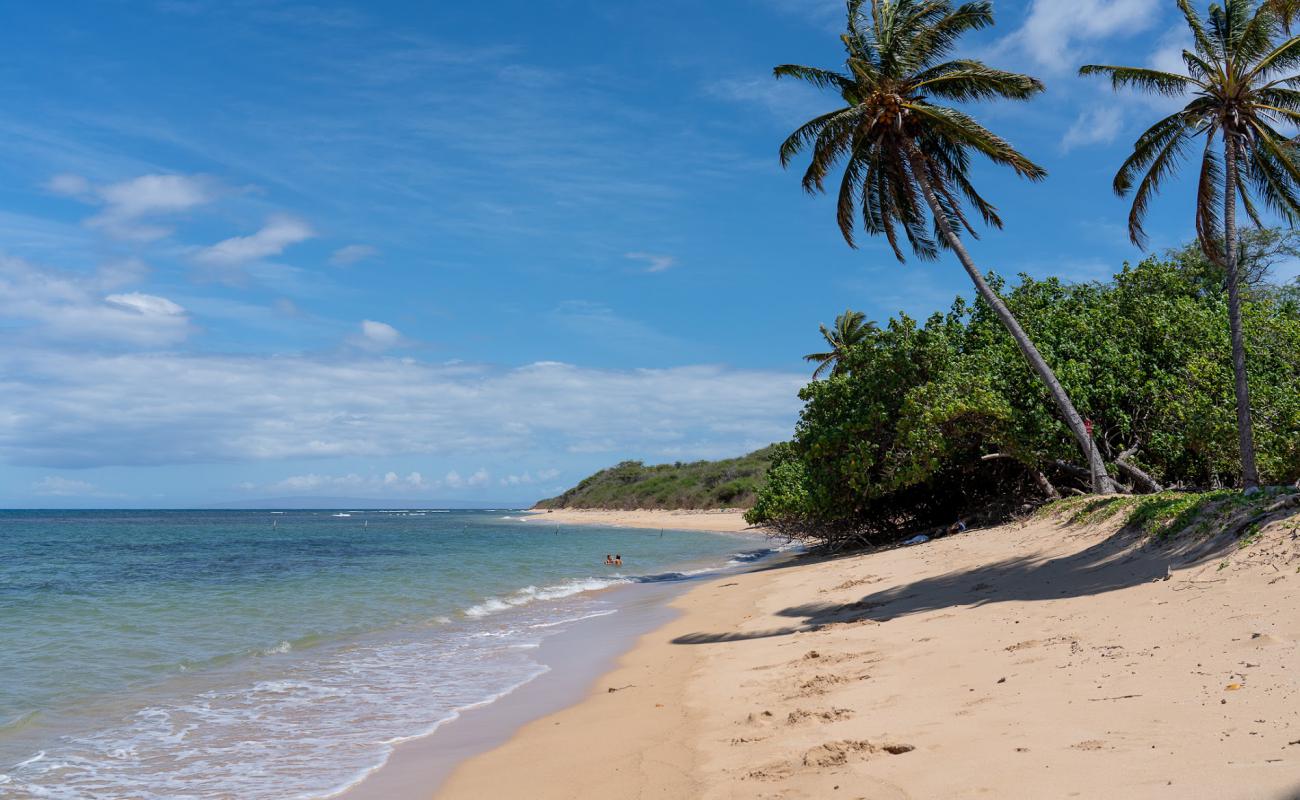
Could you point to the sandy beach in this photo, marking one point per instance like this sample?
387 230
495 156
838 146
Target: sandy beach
1041 659
724 521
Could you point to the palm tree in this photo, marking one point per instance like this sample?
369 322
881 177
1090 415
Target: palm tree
851 329
904 153
1239 87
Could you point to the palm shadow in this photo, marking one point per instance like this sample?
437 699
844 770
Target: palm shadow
1124 559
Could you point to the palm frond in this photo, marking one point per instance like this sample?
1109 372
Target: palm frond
1200 37
1161 165
821 78
895 77
1170 84
1208 201
964 129
1145 149
964 81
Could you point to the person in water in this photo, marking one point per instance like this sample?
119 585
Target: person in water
618 560
609 562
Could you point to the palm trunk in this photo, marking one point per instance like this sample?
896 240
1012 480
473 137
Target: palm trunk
1245 433
1101 481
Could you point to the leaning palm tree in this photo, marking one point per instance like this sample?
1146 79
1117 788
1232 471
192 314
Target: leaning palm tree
1239 88
851 329
905 154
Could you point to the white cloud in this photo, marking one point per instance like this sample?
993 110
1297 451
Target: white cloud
130 207
528 478
63 409
146 304
280 232
351 254
312 483
378 335
655 262
1096 125
50 304
1055 30
453 479
57 486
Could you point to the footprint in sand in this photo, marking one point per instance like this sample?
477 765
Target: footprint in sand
820 684
834 754
800 715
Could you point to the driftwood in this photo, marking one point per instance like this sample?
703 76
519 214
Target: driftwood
1139 476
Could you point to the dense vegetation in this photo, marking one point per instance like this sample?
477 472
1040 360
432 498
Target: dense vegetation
1239 88
730 483
928 422
906 149
1158 376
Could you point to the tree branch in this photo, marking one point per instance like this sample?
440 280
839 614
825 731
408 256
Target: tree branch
1139 476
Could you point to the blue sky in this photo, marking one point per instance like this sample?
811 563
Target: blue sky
466 251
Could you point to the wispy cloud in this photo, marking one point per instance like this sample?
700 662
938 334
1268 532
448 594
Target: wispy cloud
58 486
604 326
279 232
790 102
1056 33
1097 125
654 262
351 254
131 208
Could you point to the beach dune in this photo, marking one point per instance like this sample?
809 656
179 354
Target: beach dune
1035 660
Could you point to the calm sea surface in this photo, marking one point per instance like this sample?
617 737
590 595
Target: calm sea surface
206 654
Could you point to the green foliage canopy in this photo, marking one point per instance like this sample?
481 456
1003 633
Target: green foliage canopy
898 441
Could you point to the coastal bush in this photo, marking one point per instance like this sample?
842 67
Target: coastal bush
930 422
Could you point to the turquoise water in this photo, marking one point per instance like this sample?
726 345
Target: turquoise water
190 654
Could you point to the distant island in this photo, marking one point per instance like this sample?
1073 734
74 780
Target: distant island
696 485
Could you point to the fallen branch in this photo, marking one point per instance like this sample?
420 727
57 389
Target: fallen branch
1044 485
1073 469
1139 476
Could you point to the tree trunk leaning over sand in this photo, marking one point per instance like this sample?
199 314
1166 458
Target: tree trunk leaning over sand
1101 481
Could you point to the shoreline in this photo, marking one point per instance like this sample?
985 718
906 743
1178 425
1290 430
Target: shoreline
713 521
575 660
1038 659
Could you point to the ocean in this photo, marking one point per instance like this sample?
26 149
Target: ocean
255 654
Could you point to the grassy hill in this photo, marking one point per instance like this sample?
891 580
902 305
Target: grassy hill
730 483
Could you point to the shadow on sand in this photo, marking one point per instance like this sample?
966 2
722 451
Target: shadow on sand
1126 558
